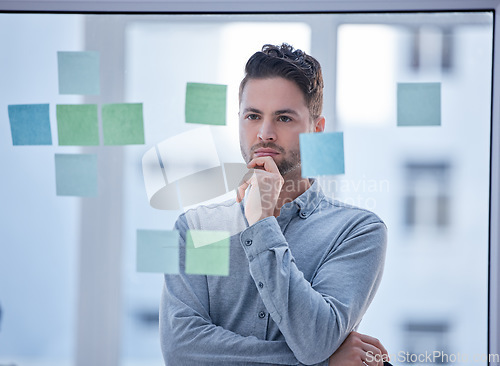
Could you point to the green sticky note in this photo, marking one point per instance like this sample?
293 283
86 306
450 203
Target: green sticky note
158 251
419 104
207 252
206 103
76 175
78 72
322 153
77 124
200 238
30 124
122 124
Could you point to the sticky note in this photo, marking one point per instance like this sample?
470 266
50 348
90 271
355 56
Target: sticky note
206 103
76 175
30 124
78 72
77 124
158 251
322 153
188 153
202 186
210 256
202 238
419 104
122 124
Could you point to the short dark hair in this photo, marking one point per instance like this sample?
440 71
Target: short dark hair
291 64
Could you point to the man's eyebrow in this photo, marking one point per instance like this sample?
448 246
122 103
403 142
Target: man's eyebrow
277 113
254 110
286 111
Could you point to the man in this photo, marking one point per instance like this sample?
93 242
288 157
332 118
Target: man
303 267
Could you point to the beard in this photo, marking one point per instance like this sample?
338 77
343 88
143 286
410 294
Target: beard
289 163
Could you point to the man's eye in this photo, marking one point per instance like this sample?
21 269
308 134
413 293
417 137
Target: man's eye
253 116
284 119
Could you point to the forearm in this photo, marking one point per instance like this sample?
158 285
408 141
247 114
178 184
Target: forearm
188 337
314 318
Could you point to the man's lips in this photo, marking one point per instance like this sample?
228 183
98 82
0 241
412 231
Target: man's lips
265 152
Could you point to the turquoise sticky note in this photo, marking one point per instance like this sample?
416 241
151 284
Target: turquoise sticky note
206 103
77 124
30 124
122 124
158 251
78 72
76 175
419 104
322 153
207 252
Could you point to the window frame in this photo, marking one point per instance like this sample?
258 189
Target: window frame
339 6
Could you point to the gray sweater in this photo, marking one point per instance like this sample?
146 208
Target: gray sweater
298 284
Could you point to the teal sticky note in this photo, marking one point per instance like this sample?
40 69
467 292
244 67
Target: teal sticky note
122 124
322 153
77 124
30 124
206 103
207 252
78 72
158 251
419 104
76 175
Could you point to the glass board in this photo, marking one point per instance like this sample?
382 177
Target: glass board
86 97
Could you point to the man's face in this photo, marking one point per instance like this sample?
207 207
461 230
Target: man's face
273 113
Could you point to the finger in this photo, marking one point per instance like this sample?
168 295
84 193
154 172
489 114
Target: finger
266 162
373 341
244 184
373 354
240 191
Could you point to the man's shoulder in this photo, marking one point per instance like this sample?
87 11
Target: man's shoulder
348 221
348 212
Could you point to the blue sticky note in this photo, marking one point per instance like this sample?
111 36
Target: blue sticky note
419 104
76 175
322 153
30 124
78 72
158 251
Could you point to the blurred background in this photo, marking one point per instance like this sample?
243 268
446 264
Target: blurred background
69 290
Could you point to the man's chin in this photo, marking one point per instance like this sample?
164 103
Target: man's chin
290 171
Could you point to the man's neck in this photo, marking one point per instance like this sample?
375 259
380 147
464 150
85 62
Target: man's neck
292 188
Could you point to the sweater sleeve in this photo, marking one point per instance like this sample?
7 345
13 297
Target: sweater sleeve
188 335
315 317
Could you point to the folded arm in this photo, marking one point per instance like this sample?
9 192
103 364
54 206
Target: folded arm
188 335
316 317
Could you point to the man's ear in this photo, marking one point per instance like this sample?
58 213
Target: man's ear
319 124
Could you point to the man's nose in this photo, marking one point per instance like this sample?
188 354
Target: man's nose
267 131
